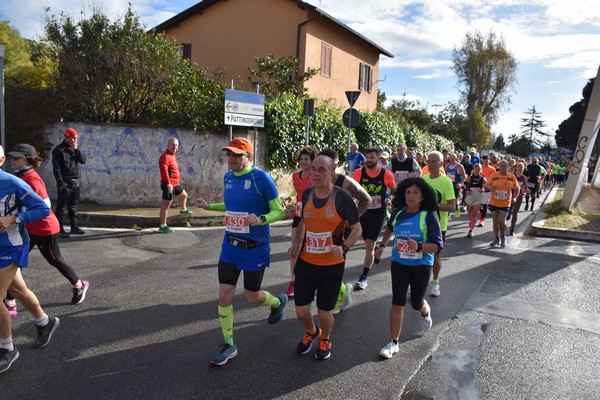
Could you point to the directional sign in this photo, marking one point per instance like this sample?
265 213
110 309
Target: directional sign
244 108
351 118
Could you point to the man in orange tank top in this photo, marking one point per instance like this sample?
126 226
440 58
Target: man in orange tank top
321 246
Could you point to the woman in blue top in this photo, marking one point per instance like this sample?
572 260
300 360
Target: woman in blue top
417 237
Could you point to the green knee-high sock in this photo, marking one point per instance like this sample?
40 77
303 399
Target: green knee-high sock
271 300
226 320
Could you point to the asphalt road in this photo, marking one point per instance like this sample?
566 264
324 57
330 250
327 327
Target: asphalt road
515 323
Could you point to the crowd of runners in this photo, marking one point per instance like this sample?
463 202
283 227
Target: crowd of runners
404 197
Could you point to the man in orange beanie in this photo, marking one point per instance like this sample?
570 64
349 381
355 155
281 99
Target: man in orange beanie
66 158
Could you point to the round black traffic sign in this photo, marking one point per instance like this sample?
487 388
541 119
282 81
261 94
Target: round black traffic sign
351 117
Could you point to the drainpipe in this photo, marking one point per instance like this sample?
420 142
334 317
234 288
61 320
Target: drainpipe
300 25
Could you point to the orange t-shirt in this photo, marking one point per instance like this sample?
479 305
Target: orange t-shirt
487 171
503 186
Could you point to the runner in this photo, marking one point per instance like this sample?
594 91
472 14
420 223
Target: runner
302 182
504 189
456 173
403 166
251 203
321 247
417 237
363 200
486 172
474 186
21 205
444 190
522 181
43 233
354 159
533 172
375 180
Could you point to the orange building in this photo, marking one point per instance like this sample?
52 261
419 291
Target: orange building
229 34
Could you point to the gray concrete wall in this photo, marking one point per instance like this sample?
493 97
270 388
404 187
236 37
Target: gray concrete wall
122 162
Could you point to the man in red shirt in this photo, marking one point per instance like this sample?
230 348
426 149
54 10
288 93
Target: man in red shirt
169 183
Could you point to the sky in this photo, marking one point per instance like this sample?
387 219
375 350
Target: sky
556 43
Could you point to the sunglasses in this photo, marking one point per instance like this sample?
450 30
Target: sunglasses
232 154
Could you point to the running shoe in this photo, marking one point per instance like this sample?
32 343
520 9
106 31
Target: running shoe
470 234
290 290
426 322
307 341
324 351
435 289
512 232
495 242
503 241
79 294
225 353
481 223
277 313
7 358
389 350
64 235
185 212
45 333
526 207
166 229
12 307
361 284
347 301
457 214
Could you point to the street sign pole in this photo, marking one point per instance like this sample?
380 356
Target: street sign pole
231 126
255 132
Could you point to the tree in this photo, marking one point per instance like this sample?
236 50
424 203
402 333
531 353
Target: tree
29 80
568 131
280 75
110 71
451 122
486 73
532 128
499 143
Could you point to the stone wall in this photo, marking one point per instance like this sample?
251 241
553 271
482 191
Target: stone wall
122 162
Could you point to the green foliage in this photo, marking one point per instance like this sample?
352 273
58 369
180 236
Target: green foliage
568 131
486 73
499 143
110 71
279 75
378 130
531 128
285 127
30 100
191 100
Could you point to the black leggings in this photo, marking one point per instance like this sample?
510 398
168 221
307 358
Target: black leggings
48 246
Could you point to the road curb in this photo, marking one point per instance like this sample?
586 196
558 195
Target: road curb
538 227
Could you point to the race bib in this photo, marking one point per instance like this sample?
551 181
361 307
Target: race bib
402 174
402 247
318 242
299 208
237 222
452 177
375 202
501 194
531 185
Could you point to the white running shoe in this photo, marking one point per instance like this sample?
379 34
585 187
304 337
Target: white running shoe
389 350
435 290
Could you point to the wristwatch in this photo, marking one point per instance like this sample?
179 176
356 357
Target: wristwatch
345 248
263 218
18 219
419 247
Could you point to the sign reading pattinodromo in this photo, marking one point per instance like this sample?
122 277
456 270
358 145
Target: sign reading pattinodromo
244 108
